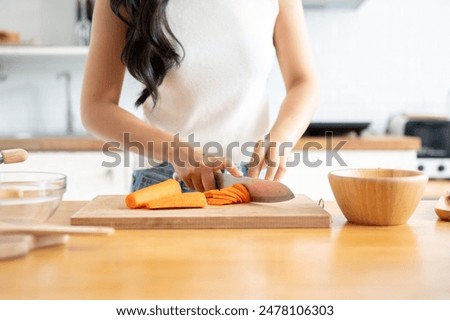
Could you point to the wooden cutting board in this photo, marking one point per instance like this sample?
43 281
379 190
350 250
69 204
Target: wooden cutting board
300 212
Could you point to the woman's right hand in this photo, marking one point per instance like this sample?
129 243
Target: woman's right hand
197 170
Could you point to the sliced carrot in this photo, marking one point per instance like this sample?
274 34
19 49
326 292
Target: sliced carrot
210 193
244 190
237 193
140 198
223 197
234 193
218 202
182 200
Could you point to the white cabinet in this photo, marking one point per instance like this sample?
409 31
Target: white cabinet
312 179
86 176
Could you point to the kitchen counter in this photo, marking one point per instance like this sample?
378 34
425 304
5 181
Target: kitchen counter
362 143
436 188
345 262
53 143
88 143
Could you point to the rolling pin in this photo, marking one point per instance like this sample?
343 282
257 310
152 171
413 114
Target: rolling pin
14 246
13 156
47 229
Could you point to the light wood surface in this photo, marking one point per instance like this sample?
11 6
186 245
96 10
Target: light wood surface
299 212
345 262
436 189
62 143
88 143
18 245
361 143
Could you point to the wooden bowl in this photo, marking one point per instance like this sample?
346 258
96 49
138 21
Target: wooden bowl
381 197
442 208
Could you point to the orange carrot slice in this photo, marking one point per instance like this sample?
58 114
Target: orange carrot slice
219 202
234 193
237 193
223 197
140 198
210 193
244 190
183 200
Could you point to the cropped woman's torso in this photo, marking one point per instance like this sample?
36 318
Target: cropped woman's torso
219 93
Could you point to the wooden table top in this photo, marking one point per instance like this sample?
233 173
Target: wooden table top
89 143
411 261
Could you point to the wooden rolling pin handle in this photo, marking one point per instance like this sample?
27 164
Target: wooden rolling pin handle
13 155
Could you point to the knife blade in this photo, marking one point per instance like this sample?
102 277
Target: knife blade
260 190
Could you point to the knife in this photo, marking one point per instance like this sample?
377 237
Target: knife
260 190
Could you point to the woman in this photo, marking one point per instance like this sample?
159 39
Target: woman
204 65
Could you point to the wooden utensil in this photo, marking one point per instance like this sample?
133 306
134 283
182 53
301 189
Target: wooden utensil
13 156
48 229
442 207
300 212
18 245
381 197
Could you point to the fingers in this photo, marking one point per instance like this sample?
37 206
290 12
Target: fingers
188 182
272 161
201 178
257 162
267 156
281 171
197 182
201 181
221 163
232 169
207 178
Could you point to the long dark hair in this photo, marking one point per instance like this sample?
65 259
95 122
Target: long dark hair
150 47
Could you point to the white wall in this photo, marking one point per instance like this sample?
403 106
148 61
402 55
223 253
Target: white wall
387 57
42 21
33 98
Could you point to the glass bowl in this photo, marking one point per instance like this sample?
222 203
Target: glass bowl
30 197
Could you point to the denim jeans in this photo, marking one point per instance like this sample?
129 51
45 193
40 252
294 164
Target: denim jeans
146 177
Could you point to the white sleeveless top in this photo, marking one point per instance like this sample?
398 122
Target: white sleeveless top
219 93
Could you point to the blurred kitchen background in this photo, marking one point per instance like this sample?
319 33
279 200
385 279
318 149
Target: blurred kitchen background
376 59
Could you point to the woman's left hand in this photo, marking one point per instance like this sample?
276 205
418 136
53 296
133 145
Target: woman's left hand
269 155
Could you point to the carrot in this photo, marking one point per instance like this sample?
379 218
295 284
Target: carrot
210 193
236 193
219 202
140 198
244 190
223 197
182 200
